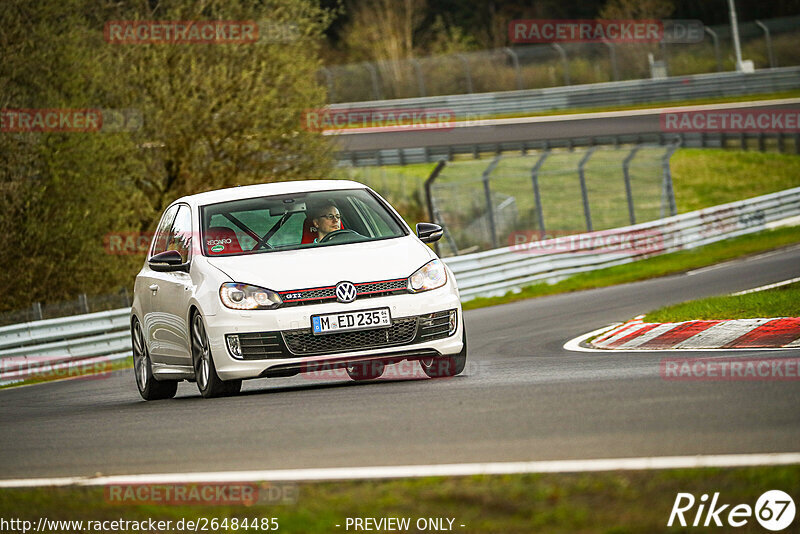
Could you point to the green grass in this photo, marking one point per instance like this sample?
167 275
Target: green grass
708 177
778 302
619 502
665 264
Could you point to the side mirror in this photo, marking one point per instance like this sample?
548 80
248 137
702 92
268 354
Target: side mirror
429 232
168 261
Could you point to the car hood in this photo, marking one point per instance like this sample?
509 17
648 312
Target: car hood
326 266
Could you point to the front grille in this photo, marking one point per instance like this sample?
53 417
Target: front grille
303 342
261 345
316 295
294 343
382 287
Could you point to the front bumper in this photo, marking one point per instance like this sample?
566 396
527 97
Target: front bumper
293 320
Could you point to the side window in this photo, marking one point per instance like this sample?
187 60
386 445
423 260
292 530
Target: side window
162 234
180 238
376 226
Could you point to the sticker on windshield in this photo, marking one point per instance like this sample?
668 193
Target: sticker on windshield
217 248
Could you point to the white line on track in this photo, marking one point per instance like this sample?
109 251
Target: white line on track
768 286
405 471
735 261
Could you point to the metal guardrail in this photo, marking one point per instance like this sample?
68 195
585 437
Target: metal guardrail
624 93
472 106
495 272
48 348
52 331
487 273
432 154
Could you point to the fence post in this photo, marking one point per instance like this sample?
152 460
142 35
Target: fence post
669 193
429 185
467 72
374 76
515 62
768 39
488 192
37 311
584 192
715 40
628 191
429 197
447 235
83 302
564 61
420 79
536 194
612 53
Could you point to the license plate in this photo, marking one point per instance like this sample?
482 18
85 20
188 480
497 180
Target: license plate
344 321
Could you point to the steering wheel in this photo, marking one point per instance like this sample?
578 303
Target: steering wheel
336 234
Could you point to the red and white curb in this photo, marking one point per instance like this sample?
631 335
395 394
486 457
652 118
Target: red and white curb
782 332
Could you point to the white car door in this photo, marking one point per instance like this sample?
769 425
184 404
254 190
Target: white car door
170 300
149 282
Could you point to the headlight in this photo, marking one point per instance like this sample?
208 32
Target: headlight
245 297
429 276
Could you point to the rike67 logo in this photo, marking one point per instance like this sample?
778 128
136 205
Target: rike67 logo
774 510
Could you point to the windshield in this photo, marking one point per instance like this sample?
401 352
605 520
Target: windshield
300 220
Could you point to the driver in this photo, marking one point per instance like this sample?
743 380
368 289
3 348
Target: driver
327 220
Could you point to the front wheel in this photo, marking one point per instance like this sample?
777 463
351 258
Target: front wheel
445 366
208 381
149 387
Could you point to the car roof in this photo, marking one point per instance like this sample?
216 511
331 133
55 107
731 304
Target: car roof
275 188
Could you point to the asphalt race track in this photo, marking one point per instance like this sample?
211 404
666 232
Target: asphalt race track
523 397
543 128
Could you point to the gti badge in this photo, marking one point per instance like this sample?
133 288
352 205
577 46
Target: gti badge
345 292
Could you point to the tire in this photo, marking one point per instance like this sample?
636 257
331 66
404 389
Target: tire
149 387
446 366
205 373
365 370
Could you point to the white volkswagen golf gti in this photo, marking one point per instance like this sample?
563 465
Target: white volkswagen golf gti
277 279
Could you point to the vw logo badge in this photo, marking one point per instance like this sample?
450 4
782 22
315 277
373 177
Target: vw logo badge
345 292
